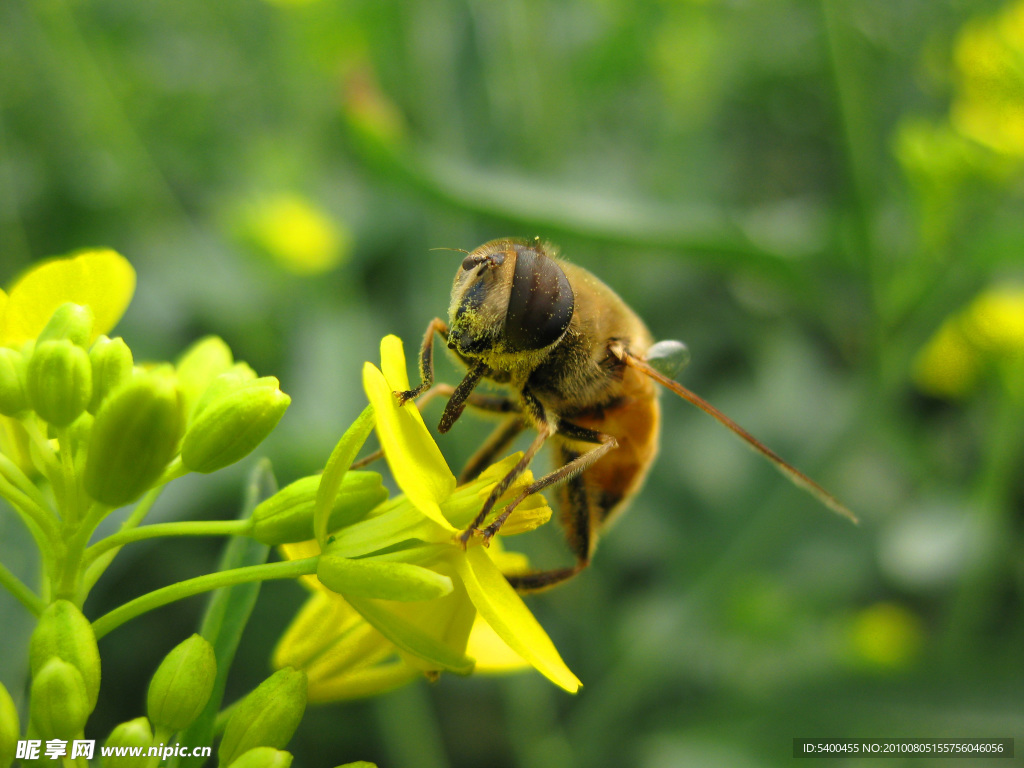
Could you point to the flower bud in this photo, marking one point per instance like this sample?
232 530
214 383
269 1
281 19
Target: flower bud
204 361
13 397
267 717
231 426
59 705
238 375
9 728
135 435
287 516
111 362
133 733
69 321
182 684
263 757
64 633
58 381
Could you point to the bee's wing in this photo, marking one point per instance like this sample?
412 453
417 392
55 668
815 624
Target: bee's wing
795 475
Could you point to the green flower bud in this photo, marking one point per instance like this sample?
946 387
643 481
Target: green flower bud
60 704
204 361
9 728
64 633
13 397
287 516
267 717
263 757
58 381
69 321
182 684
111 362
359 764
231 426
133 733
135 435
232 379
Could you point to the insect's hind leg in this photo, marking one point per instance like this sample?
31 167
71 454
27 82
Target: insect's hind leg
578 534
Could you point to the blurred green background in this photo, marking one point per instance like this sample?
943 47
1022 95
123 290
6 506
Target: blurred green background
824 200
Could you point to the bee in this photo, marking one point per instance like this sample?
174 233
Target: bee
582 369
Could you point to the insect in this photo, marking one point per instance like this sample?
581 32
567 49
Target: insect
582 369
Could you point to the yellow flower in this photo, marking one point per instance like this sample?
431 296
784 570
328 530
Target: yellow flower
296 234
988 333
407 598
886 635
100 279
989 102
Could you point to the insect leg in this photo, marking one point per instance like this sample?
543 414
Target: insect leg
543 433
439 326
576 522
489 403
499 440
570 469
457 402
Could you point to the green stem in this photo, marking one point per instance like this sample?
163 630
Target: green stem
859 160
97 564
290 569
43 451
74 560
21 591
173 471
184 528
976 595
30 507
72 510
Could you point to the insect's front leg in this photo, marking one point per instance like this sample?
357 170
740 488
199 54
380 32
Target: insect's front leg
440 327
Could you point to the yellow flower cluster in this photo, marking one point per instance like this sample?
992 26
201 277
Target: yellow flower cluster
987 335
396 595
989 102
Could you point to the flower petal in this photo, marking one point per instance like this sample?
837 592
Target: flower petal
323 619
415 460
101 279
411 638
381 580
492 654
357 683
505 611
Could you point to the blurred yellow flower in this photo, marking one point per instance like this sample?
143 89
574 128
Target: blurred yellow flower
406 597
988 333
300 237
989 102
886 635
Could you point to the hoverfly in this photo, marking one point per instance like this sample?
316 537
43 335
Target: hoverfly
581 367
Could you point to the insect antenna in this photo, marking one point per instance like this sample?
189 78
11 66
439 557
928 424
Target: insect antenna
794 475
459 250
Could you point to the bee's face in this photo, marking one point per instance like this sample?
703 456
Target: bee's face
509 296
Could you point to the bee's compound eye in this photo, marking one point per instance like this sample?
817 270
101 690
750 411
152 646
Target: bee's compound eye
540 303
